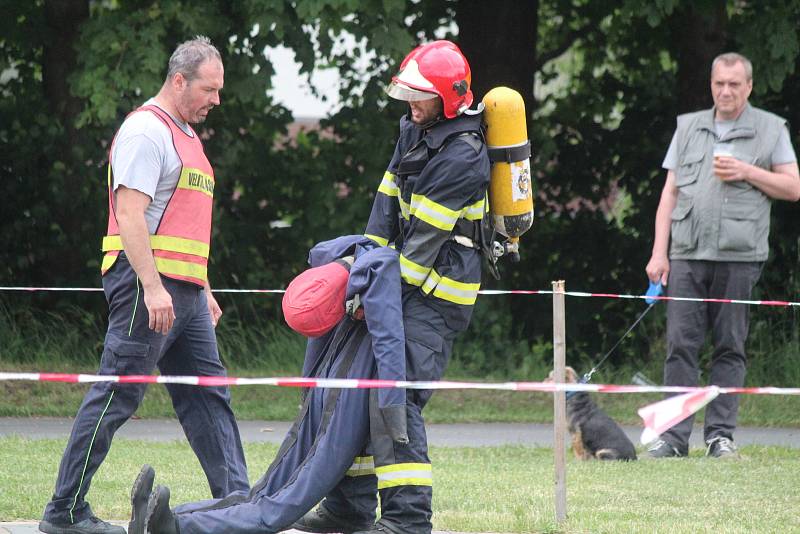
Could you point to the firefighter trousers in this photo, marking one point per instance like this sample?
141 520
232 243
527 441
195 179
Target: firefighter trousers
403 474
330 430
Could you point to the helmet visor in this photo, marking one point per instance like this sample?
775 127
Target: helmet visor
401 91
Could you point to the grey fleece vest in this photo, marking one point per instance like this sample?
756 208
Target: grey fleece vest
716 220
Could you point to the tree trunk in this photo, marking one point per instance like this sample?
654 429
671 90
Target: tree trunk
700 34
499 40
63 19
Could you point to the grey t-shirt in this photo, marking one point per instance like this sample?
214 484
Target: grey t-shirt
144 158
783 152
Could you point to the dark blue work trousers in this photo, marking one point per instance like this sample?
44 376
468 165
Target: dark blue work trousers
334 425
131 348
331 428
405 508
687 325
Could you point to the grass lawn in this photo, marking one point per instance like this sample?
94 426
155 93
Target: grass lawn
498 489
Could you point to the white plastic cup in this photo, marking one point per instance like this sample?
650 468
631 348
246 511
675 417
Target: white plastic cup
722 150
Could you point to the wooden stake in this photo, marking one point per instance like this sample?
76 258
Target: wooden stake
559 402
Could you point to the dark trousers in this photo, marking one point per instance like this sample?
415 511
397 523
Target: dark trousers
131 348
687 325
330 430
405 507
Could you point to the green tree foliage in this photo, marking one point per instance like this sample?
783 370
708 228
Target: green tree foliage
609 78
55 192
602 134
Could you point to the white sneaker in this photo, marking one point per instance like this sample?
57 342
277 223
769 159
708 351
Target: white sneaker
721 447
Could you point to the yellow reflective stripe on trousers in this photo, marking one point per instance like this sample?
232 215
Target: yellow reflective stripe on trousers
433 213
474 212
451 290
163 242
378 239
180 268
388 187
390 476
362 465
88 455
413 273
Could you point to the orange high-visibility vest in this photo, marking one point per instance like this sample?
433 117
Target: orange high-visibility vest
182 240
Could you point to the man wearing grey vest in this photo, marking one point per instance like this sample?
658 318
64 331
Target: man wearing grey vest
724 167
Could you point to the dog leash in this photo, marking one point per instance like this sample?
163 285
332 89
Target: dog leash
654 290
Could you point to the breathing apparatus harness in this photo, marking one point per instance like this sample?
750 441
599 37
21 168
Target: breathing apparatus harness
466 233
480 235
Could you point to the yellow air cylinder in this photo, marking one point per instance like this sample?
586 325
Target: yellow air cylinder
510 189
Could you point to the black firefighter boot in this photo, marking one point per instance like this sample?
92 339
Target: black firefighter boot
320 520
378 528
140 494
160 519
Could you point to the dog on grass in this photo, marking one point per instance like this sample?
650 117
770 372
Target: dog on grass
594 434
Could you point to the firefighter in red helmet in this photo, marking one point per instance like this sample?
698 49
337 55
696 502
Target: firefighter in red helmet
431 70
429 206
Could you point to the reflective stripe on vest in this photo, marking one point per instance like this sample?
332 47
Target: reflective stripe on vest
162 242
390 476
179 269
182 240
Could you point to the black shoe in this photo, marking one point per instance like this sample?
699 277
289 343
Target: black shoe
322 521
662 449
92 525
376 529
140 494
160 519
721 447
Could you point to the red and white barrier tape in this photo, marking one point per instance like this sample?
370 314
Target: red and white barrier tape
99 289
783 303
662 415
624 296
357 383
657 417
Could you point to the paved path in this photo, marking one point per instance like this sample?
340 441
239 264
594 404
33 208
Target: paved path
29 527
452 435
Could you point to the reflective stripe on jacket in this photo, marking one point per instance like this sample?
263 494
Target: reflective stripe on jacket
182 240
436 178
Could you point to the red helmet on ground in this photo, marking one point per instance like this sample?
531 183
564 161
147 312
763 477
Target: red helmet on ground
437 68
314 301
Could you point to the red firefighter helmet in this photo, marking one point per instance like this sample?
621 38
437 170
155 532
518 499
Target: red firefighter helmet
437 68
314 300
